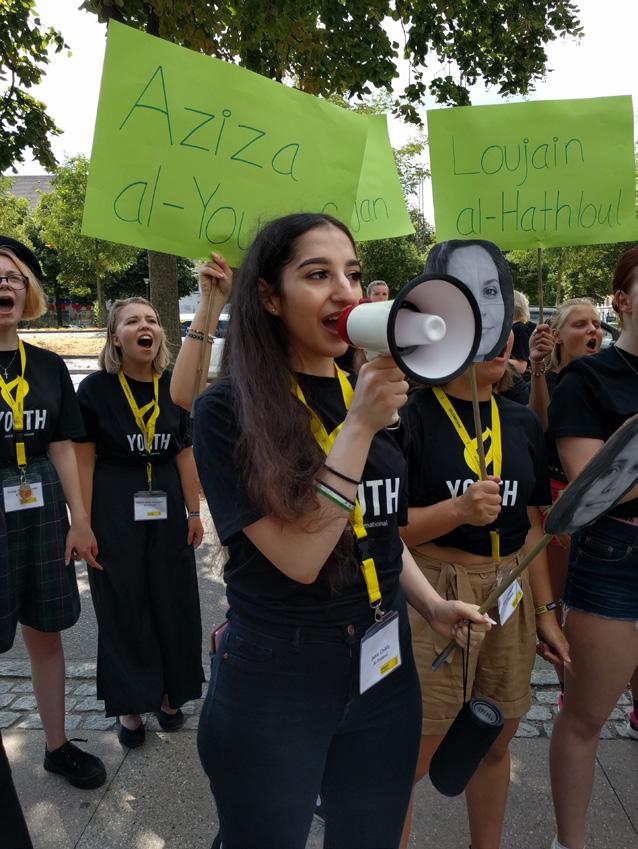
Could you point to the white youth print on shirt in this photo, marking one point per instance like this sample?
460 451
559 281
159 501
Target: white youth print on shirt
378 499
136 443
33 420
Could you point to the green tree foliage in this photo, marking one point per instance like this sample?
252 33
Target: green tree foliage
131 282
570 272
337 47
84 262
15 215
397 260
24 122
394 260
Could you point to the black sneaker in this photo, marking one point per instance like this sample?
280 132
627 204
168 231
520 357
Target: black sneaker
78 767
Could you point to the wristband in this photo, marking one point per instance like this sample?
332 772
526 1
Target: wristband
341 475
193 514
195 334
335 496
546 608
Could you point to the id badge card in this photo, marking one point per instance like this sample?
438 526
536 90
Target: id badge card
380 651
22 493
150 506
509 601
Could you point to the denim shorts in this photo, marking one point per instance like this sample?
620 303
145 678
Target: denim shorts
603 570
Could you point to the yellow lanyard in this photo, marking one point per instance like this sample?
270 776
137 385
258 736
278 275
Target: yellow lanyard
16 405
147 428
493 456
325 441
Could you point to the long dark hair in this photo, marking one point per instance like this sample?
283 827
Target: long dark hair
277 452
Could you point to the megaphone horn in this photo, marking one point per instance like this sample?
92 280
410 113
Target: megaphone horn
369 327
432 329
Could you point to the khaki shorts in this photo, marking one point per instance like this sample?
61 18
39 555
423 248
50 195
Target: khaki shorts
500 670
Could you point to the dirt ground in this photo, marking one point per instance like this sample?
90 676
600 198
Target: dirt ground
67 343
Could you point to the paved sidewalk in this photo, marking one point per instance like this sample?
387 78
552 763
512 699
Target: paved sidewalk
157 797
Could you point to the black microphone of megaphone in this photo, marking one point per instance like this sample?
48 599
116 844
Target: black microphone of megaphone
432 329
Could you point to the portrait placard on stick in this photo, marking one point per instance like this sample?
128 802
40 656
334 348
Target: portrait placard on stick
535 174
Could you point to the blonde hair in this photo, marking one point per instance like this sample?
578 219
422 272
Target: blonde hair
521 306
35 302
110 358
558 320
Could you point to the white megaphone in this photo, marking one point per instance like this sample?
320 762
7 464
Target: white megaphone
432 329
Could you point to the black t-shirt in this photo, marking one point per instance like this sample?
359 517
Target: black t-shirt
110 424
438 471
520 348
594 395
51 412
518 391
254 585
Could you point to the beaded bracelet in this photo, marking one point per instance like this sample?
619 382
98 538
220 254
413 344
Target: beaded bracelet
334 496
538 369
197 334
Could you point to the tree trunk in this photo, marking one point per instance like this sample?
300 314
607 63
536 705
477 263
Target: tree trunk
102 312
56 301
162 272
559 278
99 292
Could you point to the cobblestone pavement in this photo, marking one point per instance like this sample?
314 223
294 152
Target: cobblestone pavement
84 712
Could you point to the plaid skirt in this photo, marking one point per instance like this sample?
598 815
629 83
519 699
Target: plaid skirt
37 588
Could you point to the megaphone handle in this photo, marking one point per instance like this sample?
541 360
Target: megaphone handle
493 597
395 421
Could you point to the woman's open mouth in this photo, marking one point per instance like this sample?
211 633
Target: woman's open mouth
145 341
330 323
591 346
7 302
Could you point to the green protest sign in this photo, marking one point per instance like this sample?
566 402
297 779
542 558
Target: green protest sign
190 154
541 174
379 209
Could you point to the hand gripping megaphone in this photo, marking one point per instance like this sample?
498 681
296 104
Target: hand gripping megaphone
432 329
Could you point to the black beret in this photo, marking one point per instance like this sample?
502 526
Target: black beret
23 253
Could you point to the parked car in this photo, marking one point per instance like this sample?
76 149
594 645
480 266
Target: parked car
185 321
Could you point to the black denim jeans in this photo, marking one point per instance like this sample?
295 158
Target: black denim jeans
283 721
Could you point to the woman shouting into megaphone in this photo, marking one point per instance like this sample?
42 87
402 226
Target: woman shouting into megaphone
313 687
